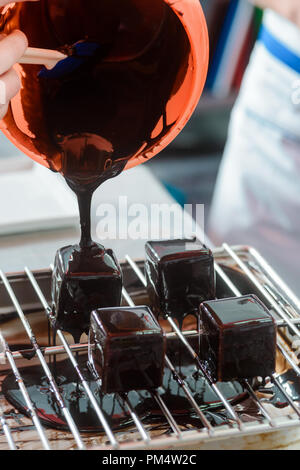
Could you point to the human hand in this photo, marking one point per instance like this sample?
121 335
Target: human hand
290 9
12 47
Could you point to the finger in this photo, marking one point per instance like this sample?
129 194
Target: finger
12 47
9 86
6 2
3 110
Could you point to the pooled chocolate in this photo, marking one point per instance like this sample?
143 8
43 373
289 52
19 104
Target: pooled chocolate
83 279
239 338
126 349
180 275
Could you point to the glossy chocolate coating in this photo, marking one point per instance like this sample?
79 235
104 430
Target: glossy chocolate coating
83 279
239 338
180 275
126 349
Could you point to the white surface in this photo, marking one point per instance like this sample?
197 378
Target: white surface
11 159
33 200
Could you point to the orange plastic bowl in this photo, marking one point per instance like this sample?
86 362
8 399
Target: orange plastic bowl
180 105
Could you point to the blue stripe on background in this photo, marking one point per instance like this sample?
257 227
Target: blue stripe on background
279 50
221 45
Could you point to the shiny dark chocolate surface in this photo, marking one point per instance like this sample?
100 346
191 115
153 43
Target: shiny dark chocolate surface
127 349
83 279
245 310
167 249
239 338
180 275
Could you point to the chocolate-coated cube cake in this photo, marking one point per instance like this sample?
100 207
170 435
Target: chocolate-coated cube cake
238 340
84 279
126 349
180 275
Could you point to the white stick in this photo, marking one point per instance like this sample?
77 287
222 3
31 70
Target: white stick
46 57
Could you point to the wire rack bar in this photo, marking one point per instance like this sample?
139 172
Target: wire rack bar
167 414
7 431
258 402
288 398
274 276
139 425
58 349
51 380
261 288
23 390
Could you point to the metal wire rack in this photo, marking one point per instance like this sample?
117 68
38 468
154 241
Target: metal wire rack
23 295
